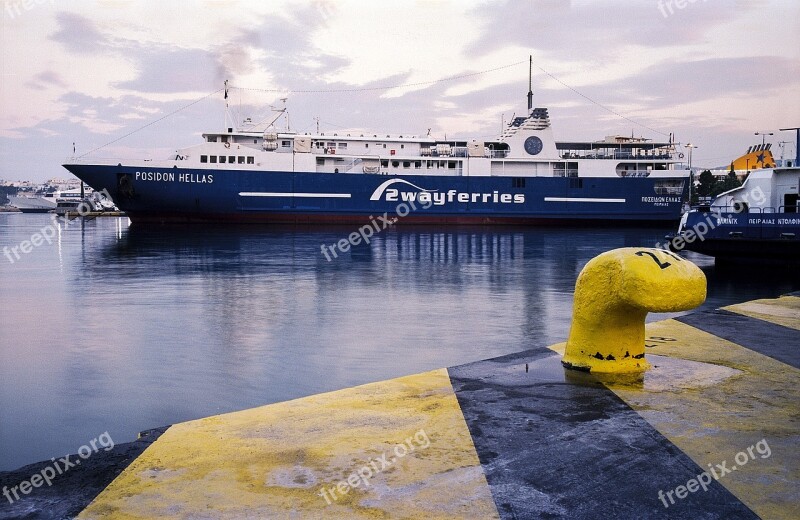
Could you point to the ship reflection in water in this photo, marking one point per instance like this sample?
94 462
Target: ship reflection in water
120 329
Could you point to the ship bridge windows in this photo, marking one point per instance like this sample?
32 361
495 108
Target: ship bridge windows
616 148
430 165
567 169
497 150
669 186
232 159
634 170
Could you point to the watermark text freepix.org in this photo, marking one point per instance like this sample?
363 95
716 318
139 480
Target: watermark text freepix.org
58 467
717 471
667 7
47 233
376 225
375 466
14 8
712 220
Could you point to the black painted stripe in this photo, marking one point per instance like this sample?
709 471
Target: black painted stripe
776 341
557 448
73 490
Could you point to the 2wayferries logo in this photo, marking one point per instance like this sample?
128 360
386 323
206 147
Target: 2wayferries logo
439 198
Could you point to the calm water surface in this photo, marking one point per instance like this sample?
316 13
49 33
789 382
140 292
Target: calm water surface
120 329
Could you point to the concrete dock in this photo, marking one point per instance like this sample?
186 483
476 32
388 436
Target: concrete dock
711 431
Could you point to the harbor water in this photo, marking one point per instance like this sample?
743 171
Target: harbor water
108 327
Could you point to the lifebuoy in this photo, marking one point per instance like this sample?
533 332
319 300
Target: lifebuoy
680 156
227 145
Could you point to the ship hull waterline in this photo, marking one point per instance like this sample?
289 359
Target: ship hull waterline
760 237
165 195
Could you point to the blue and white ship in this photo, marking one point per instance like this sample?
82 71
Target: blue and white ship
759 222
246 174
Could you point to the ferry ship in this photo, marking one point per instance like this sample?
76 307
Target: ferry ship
34 204
758 222
524 176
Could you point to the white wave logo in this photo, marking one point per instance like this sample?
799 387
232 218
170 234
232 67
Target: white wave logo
437 198
376 195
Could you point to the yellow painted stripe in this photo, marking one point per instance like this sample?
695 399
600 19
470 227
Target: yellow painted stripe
782 311
273 461
713 399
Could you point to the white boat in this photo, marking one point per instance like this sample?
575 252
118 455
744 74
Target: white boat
82 200
756 222
34 203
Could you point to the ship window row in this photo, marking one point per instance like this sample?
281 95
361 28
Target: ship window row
398 163
343 146
229 159
430 165
641 154
323 144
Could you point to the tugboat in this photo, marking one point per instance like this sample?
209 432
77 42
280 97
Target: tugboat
756 222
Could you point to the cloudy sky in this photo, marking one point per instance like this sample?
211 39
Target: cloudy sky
711 71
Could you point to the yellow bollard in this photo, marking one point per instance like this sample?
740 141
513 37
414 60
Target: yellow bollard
613 295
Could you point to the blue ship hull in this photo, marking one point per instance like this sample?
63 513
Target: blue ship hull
204 195
744 237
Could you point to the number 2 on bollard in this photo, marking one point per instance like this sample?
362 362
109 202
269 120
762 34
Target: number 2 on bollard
658 262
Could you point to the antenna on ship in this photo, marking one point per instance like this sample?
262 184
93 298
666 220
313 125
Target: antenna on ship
796 145
530 82
286 112
227 110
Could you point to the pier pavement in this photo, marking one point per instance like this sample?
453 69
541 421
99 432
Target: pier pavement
711 431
